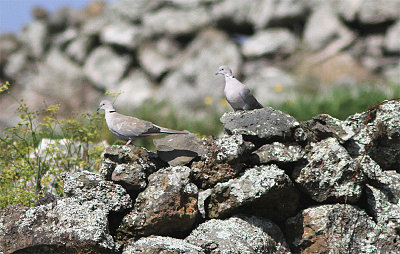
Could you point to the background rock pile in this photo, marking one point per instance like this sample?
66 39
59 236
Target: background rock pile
170 49
270 185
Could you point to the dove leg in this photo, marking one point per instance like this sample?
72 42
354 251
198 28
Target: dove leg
128 143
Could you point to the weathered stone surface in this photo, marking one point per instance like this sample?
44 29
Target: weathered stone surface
323 27
239 234
173 21
104 67
337 229
8 44
378 132
168 206
384 206
78 222
61 39
277 153
161 244
158 57
258 13
324 126
270 41
35 37
202 201
266 124
372 171
269 84
330 173
224 159
16 62
123 34
373 12
383 202
179 149
79 48
194 71
393 37
136 83
265 191
129 166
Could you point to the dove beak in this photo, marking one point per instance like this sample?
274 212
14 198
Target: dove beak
217 73
98 109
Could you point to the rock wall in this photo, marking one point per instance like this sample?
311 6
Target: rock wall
269 185
170 50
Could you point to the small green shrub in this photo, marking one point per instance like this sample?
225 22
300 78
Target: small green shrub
31 165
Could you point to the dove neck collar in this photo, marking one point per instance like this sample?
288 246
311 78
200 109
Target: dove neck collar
111 111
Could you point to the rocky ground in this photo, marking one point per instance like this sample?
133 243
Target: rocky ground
269 185
170 50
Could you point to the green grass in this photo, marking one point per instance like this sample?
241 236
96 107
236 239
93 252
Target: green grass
340 102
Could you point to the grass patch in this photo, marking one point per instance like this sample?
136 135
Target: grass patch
340 102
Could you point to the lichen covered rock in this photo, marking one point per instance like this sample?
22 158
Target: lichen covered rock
265 191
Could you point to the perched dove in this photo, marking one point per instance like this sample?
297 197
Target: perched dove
128 127
237 94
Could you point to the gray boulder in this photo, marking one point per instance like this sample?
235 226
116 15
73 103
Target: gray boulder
377 132
105 68
171 21
384 205
337 228
134 90
324 126
270 85
61 39
158 57
259 14
122 34
35 38
168 206
128 166
224 159
239 234
16 63
79 48
263 125
8 45
271 41
194 71
77 222
323 27
264 191
393 37
179 149
374 12
161 244
330 173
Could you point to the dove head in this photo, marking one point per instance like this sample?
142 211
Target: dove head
224 70
106 106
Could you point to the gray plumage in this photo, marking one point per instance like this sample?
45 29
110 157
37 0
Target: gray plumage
128 127
237 94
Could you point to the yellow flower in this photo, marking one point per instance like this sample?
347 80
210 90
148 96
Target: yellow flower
208 100
278 88
223 102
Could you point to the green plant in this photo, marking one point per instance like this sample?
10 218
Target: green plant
35 152
339 102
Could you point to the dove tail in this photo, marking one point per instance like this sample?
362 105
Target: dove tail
171 131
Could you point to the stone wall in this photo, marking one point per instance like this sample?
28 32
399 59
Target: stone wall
269 185
170 50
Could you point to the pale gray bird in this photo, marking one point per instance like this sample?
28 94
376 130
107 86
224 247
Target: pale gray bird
237 94
128 127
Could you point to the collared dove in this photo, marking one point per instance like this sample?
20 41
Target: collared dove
128 127
237 94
